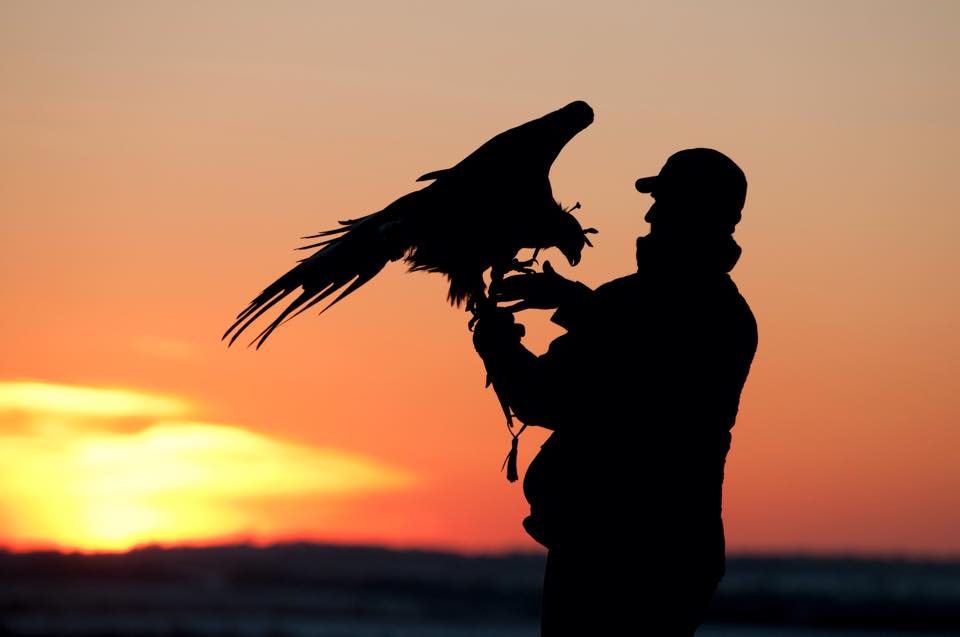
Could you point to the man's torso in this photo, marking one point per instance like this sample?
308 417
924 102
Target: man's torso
658 363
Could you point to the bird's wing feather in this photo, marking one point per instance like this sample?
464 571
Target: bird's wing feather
352 255
436 174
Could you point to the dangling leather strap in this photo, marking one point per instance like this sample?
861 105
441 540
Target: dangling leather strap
510 462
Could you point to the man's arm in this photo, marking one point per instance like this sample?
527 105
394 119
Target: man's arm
533 386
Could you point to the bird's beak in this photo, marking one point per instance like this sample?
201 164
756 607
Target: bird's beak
574 260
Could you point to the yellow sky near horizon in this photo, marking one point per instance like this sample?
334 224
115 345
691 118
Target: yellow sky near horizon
109 469
160 162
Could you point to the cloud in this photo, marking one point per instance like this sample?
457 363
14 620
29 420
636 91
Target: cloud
68 479
71 400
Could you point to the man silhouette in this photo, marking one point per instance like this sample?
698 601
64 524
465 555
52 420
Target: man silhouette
641 393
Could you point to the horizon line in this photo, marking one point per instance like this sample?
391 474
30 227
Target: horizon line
758 553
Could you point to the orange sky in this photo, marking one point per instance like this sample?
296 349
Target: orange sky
159 163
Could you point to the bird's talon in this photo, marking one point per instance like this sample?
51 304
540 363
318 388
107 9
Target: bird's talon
523 266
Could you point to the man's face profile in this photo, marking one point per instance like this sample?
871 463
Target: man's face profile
671 215
668 217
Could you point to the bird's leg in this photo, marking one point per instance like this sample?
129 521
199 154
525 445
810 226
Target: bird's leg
496 276
516 265
477 299
478 305
497 272
525 266
474 308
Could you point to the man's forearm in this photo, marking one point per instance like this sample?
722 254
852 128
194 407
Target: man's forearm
523 379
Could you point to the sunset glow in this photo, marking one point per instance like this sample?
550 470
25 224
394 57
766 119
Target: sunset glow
162 160
67 480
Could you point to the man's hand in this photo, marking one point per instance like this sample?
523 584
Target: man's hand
494 332
545 290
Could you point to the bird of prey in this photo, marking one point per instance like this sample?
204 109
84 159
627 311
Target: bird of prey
472 217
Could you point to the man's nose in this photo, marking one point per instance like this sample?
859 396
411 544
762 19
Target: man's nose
651 215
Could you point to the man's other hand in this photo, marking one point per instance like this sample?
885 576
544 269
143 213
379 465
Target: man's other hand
545 290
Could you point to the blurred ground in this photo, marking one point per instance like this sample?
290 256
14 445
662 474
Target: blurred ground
318 590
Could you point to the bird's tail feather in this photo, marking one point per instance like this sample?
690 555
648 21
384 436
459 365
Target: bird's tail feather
356 254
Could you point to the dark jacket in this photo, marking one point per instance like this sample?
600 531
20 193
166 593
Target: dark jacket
641 393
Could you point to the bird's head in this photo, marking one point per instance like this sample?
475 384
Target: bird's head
569 236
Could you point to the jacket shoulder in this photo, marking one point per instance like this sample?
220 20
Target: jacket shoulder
620 292
621 285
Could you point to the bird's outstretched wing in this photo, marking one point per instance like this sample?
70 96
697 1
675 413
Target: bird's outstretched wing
352 254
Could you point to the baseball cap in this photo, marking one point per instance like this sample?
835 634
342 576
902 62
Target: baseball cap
703 177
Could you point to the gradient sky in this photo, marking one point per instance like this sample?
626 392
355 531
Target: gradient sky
159 162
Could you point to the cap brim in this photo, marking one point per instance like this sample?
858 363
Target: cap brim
646 184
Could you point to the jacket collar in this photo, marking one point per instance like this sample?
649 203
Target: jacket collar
692 256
